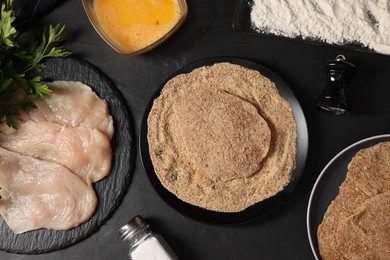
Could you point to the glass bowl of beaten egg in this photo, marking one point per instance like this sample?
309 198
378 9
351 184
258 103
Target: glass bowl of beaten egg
135 26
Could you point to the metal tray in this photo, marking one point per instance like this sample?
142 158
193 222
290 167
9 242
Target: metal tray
242 24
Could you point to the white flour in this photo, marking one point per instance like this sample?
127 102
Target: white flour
332 21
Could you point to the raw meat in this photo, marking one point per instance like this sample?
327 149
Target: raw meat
38 194
85 151
73 104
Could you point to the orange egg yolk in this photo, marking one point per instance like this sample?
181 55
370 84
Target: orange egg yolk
136 24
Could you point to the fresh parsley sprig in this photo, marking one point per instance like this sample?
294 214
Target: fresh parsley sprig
18 62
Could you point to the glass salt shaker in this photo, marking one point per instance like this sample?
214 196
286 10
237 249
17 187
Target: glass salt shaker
144 243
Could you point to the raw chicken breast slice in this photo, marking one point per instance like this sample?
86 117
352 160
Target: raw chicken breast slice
84 151
74 104
38 194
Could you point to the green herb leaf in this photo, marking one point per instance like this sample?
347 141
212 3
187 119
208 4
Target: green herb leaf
48 48
8 33
29 59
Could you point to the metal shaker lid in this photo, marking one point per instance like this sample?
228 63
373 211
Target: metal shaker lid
132 227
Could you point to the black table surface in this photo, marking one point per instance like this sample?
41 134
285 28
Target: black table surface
208 32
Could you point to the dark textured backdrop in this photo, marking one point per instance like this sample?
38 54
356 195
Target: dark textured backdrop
208 32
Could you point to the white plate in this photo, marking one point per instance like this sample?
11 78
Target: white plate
327 186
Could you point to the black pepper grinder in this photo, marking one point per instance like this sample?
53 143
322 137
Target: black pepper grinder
338 72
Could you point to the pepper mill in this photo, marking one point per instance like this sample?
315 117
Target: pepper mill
338 72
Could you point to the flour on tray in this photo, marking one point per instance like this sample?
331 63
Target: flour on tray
333 21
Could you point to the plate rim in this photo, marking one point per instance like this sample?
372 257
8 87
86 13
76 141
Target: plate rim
92 225
298 116
315 189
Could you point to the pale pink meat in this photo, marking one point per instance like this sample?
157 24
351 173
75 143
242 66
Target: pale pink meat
38 194
74 104
84 151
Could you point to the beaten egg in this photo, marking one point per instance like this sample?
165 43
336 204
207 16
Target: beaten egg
136 25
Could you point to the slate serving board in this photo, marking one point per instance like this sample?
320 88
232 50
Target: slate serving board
110 190
259 209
